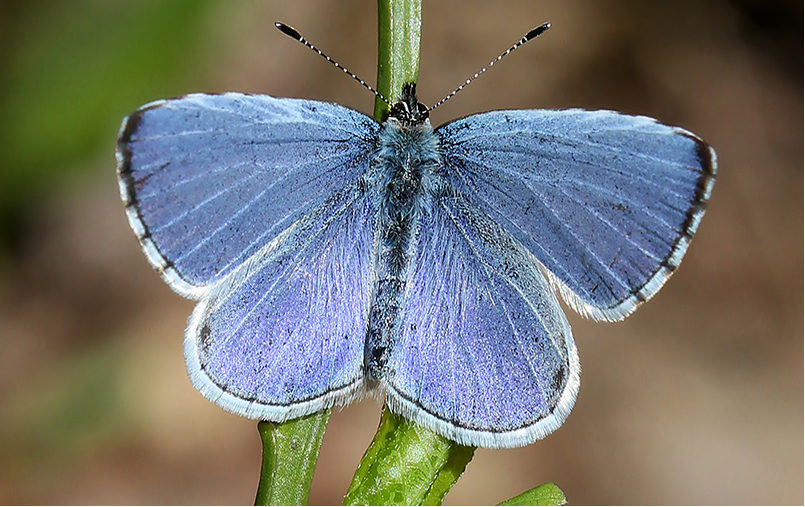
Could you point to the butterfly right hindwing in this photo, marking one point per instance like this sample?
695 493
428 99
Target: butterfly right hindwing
485 354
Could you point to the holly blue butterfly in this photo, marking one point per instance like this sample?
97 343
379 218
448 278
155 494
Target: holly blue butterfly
334 256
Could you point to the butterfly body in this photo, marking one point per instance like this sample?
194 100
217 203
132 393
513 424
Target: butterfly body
334 257
405 174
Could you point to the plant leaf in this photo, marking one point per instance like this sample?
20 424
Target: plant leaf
406 464
547 494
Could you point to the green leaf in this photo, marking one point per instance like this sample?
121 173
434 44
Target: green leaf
290 453
457 460
547 494
407 464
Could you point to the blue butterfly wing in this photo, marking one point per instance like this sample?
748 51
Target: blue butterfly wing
283 335
484 355
607 202
208 180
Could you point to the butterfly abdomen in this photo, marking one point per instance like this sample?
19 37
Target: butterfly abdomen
405 171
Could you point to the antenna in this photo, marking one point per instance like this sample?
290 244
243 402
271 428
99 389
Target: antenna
292 33
527 37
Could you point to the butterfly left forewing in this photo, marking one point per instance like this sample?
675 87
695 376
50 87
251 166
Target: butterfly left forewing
209 180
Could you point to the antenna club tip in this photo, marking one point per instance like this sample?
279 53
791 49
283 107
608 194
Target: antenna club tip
537 31
288 30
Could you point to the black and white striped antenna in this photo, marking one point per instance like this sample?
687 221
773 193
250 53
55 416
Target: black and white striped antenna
527 37
292 33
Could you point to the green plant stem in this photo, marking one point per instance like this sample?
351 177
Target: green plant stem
407 464
290 453
399 30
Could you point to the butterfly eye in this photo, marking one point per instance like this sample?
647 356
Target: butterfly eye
399 111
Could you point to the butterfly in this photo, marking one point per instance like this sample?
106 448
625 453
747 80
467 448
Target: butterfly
333 256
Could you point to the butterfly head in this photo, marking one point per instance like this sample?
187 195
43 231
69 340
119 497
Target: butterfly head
408 110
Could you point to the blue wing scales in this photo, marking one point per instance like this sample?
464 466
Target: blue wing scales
485 354
283 335
209 180
607 202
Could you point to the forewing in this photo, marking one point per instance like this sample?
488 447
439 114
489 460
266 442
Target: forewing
283 336
209 180
607 202
485 355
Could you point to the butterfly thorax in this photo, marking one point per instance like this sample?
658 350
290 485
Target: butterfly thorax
405 168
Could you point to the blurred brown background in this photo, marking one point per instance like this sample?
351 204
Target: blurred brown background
695 399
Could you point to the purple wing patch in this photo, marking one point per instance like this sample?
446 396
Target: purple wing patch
485 354
283 336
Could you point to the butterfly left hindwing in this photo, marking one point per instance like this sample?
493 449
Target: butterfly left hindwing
283 336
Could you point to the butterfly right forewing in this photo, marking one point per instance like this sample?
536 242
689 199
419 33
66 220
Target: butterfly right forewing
607 202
